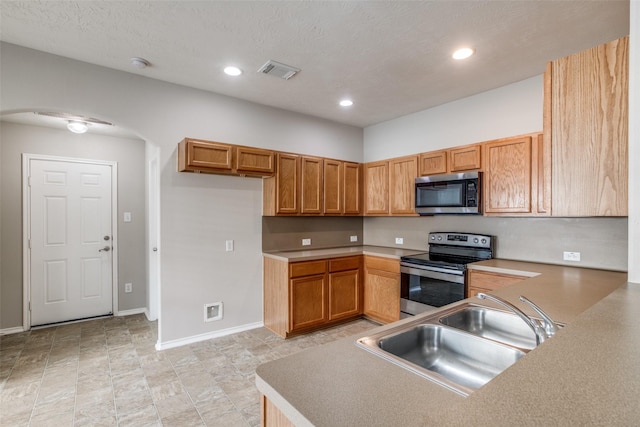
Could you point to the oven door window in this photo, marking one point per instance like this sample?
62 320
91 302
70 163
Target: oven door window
445 194
430 291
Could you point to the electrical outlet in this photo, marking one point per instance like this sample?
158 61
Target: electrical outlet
306 242
229 245
128 287
399 241
353 238
571 256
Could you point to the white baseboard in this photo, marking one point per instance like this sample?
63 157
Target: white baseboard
209 335
8 331
141 310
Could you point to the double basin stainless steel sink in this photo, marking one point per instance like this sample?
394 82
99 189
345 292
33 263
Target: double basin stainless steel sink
461 348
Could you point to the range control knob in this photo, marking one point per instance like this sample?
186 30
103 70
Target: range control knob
475 240
483 241
433 237
439 238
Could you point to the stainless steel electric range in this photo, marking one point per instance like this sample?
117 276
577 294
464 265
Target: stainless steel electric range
437 278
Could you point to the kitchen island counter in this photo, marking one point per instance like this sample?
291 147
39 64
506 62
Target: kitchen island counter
587 374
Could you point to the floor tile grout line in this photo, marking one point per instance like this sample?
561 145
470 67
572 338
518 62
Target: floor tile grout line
33 408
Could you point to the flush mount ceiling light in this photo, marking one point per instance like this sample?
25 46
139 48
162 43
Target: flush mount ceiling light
75 123
232 71
140 63
463 53
77 127
346 103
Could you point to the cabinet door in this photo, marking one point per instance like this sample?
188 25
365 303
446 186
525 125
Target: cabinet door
589 131
376 181
287 179
382 295
333 187
344 294
352 188
402 177
255 161
204 155
311 186
307 302
433 163
465 158
507 176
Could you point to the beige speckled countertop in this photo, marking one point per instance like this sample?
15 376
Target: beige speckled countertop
588 374
382 251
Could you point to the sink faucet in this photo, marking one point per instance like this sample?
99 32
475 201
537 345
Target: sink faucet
542 329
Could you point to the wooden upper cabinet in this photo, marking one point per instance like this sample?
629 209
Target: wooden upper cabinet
311 188
352 189
333 187
286 182
254 160
587 121
402 176
196 155
376 182
433 163
507 176
465 158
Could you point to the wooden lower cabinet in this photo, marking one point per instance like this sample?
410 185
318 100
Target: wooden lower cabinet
303 296
382 289
271 416
308 302
484 281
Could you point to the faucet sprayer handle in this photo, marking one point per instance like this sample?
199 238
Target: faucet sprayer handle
549 325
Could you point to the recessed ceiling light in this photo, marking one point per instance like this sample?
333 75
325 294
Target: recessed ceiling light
346 103
232 71
463 53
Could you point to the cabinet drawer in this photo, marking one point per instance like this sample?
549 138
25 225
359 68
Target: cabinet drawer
491 281
307 268
385 264
342 264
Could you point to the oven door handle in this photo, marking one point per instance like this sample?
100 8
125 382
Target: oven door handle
455 276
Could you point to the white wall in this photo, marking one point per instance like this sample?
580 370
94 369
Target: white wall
506 111
198 212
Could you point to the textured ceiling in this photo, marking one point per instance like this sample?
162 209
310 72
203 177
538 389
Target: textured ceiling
391 57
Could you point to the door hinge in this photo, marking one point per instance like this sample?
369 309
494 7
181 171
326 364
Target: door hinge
29 245
29 181
29 305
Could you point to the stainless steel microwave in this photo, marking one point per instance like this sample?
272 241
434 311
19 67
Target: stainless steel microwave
459 193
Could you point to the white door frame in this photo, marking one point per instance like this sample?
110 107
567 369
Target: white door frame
26 232
153 234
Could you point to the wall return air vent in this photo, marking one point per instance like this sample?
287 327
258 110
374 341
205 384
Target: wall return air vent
279 69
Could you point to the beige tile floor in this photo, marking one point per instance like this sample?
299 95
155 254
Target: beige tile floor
106 372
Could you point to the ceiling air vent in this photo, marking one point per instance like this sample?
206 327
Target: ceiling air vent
278 69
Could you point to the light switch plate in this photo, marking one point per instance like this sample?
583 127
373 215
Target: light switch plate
229 245
127 217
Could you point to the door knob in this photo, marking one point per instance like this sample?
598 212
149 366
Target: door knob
107 237
155 249
105 249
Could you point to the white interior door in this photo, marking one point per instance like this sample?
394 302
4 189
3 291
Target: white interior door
71 240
